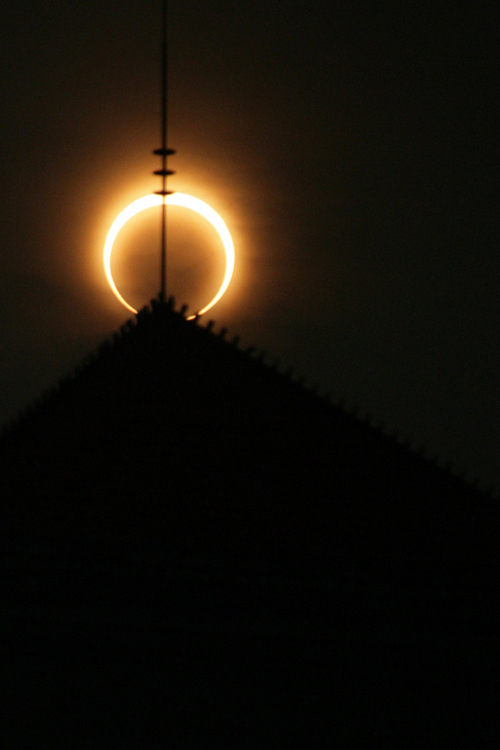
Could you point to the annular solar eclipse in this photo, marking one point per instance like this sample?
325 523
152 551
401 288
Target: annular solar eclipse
174 199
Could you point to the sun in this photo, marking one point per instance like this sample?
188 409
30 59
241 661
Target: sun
175 199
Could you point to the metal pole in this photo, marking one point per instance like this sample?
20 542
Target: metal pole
164 152
163 284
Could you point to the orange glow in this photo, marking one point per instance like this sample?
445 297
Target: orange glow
176 199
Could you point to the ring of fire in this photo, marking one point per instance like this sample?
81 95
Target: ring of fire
175 199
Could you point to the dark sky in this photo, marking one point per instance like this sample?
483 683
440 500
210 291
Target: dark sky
352 150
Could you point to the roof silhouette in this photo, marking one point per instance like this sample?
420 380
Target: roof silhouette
201 552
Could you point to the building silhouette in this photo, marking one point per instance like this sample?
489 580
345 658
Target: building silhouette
199 552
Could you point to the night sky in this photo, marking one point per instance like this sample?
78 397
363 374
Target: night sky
351 149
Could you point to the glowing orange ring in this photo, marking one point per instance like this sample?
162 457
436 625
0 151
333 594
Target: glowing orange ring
176 199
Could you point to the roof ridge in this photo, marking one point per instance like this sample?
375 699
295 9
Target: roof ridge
336 410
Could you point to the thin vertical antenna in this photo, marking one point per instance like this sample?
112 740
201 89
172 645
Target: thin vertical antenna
164 152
